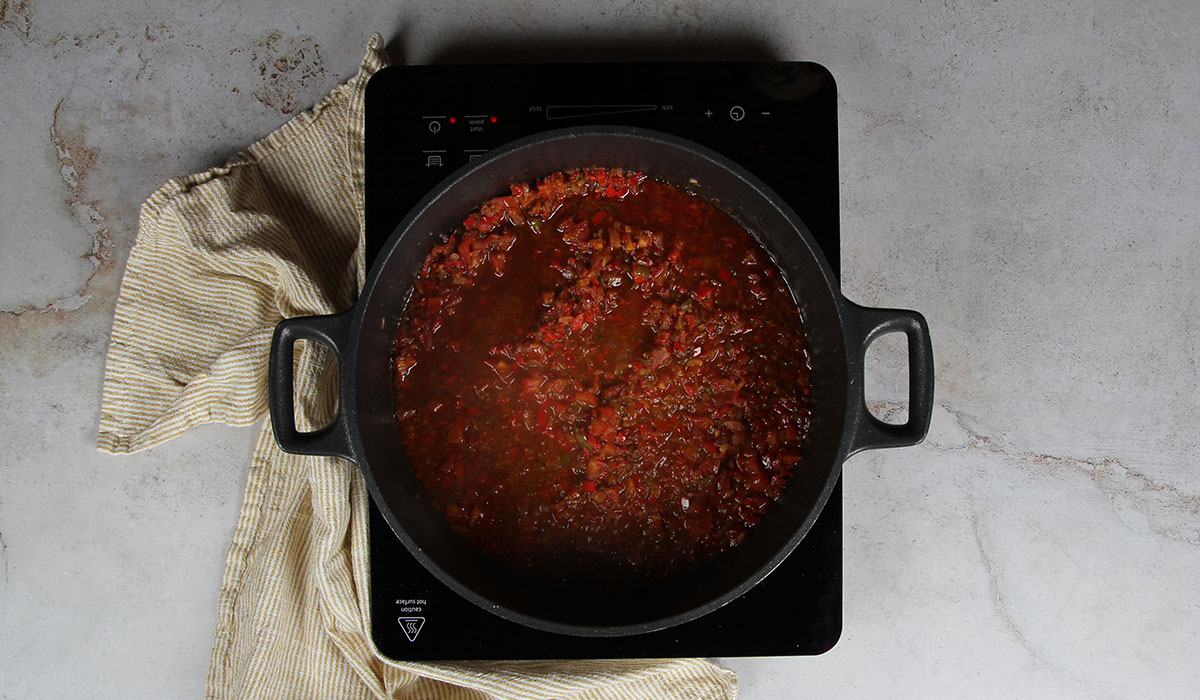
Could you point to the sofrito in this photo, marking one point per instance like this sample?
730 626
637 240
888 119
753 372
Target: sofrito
601 375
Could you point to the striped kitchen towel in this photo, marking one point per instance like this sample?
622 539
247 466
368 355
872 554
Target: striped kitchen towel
220 258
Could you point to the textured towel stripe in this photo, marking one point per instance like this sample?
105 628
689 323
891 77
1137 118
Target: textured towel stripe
220 258
674 678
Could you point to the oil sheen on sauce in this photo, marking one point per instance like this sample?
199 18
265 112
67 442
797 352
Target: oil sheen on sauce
601 375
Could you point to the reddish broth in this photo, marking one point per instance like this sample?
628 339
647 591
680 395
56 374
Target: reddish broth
601 375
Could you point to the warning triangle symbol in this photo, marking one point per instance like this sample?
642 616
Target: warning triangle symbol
411 626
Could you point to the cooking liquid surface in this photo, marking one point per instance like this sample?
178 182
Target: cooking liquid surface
603 376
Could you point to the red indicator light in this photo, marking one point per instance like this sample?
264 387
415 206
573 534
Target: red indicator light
452 120
494 118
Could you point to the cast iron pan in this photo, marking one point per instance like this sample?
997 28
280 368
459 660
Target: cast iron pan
364 429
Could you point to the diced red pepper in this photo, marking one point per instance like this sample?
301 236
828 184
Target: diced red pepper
530 385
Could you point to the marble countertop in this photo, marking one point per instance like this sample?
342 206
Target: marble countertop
1025 176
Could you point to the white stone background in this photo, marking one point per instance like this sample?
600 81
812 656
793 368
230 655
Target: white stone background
1026 175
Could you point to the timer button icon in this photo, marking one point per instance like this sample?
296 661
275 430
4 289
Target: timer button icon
736 113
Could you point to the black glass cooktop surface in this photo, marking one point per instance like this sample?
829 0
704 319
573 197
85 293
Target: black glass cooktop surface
779 121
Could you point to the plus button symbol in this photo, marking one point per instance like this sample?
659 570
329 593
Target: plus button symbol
708 112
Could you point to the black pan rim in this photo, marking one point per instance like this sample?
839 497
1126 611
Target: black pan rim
375 275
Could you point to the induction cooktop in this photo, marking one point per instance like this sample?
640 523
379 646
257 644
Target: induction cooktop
779 121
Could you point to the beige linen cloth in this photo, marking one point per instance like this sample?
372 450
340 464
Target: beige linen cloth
220 258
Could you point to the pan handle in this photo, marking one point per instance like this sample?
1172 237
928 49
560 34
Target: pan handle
331 331
863 325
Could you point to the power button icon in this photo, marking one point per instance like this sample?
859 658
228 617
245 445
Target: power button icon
435 126
736 113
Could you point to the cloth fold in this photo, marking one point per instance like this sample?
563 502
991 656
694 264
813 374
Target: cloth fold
220 258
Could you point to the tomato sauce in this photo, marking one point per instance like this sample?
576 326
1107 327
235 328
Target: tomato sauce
601 374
